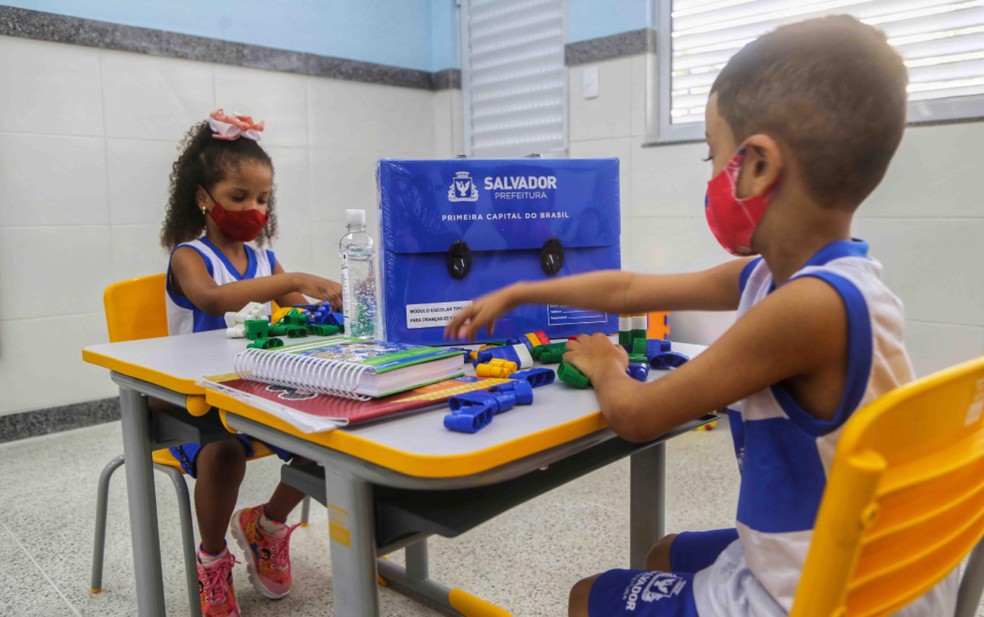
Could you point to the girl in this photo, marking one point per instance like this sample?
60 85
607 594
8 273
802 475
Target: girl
222 185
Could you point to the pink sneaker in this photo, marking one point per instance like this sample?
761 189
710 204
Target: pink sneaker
215 591
267 554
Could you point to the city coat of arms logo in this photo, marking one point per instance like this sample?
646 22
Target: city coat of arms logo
462 188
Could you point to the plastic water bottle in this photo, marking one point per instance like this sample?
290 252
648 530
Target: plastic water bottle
358 252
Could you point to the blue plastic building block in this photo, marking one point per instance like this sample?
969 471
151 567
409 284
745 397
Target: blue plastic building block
517 353
478 399
638 371
522 390
668 360
536 376
470 420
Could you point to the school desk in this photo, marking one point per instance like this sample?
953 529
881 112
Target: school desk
387 485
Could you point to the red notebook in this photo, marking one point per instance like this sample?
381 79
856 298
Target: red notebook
311 412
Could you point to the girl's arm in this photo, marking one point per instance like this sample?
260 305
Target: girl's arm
612 291
191 279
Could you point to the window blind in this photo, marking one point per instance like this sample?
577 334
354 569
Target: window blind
514 81
941 41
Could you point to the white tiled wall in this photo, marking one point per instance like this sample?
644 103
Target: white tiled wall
925 222
87 138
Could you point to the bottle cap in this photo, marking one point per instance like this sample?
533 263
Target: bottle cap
355 217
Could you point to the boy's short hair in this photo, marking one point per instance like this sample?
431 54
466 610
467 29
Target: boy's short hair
832 90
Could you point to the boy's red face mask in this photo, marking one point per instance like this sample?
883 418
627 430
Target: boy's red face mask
733 220
239 225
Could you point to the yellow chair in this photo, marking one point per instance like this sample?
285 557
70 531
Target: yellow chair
135 309
904 503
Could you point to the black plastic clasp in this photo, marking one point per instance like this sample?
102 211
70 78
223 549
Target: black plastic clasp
459 260
552 257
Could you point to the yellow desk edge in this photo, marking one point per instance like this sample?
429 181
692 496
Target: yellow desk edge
422 465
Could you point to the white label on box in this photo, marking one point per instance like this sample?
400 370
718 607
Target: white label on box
569 316
434 315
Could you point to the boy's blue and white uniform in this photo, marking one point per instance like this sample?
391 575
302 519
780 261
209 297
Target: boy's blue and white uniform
784 455
183 317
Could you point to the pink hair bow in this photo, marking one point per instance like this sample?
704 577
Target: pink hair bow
235 126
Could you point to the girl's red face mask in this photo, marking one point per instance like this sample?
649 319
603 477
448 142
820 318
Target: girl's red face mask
239 225
733 220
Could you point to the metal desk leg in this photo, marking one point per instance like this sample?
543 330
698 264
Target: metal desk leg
142 501
353 545
648 485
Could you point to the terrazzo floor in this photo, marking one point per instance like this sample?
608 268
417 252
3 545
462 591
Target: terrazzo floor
525 560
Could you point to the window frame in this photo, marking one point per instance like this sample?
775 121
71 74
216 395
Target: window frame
936 111
465 60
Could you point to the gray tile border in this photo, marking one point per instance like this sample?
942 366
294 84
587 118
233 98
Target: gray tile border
51 27
55 419
609 47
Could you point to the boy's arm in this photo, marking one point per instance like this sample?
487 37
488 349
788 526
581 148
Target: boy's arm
798 332
192 280
611 291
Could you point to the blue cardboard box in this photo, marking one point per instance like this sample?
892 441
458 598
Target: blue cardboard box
453 230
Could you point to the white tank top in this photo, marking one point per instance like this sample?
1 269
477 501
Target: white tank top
183 317
784 453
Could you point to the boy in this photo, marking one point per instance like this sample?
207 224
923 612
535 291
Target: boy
801 126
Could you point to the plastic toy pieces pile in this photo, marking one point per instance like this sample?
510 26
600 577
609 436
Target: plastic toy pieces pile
645 354
473 411
293 322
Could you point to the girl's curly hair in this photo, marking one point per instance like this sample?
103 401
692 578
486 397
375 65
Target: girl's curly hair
205 161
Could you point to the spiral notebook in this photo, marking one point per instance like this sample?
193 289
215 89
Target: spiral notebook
349 367
311 412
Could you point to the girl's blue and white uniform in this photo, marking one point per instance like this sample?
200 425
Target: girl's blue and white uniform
183 317
784 455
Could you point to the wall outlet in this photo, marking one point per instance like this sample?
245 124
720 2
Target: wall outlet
589 82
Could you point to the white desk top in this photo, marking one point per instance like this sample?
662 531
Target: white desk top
416 444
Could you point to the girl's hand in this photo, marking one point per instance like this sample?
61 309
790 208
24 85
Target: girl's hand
592 354
482 313
320 289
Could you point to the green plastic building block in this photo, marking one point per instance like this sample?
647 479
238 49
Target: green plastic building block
572 377
266 343
638 358
321 329
550 354
257 329
295 317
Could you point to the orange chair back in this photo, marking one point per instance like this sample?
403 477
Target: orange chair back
135 308
904 503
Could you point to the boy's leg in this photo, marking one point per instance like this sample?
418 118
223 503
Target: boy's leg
634 593
658 557
577 602
221 466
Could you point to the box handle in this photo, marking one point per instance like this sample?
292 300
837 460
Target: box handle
459 260
552 257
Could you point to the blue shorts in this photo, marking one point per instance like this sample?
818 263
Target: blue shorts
664 594
187 454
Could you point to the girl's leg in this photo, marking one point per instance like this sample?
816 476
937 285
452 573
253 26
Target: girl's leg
221 466
285 498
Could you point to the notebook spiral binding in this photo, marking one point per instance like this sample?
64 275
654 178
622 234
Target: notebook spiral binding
329 377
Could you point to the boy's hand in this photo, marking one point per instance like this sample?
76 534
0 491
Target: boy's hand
482 313
593 354
320 288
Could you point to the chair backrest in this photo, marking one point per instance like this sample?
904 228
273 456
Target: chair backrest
135 308
904 502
